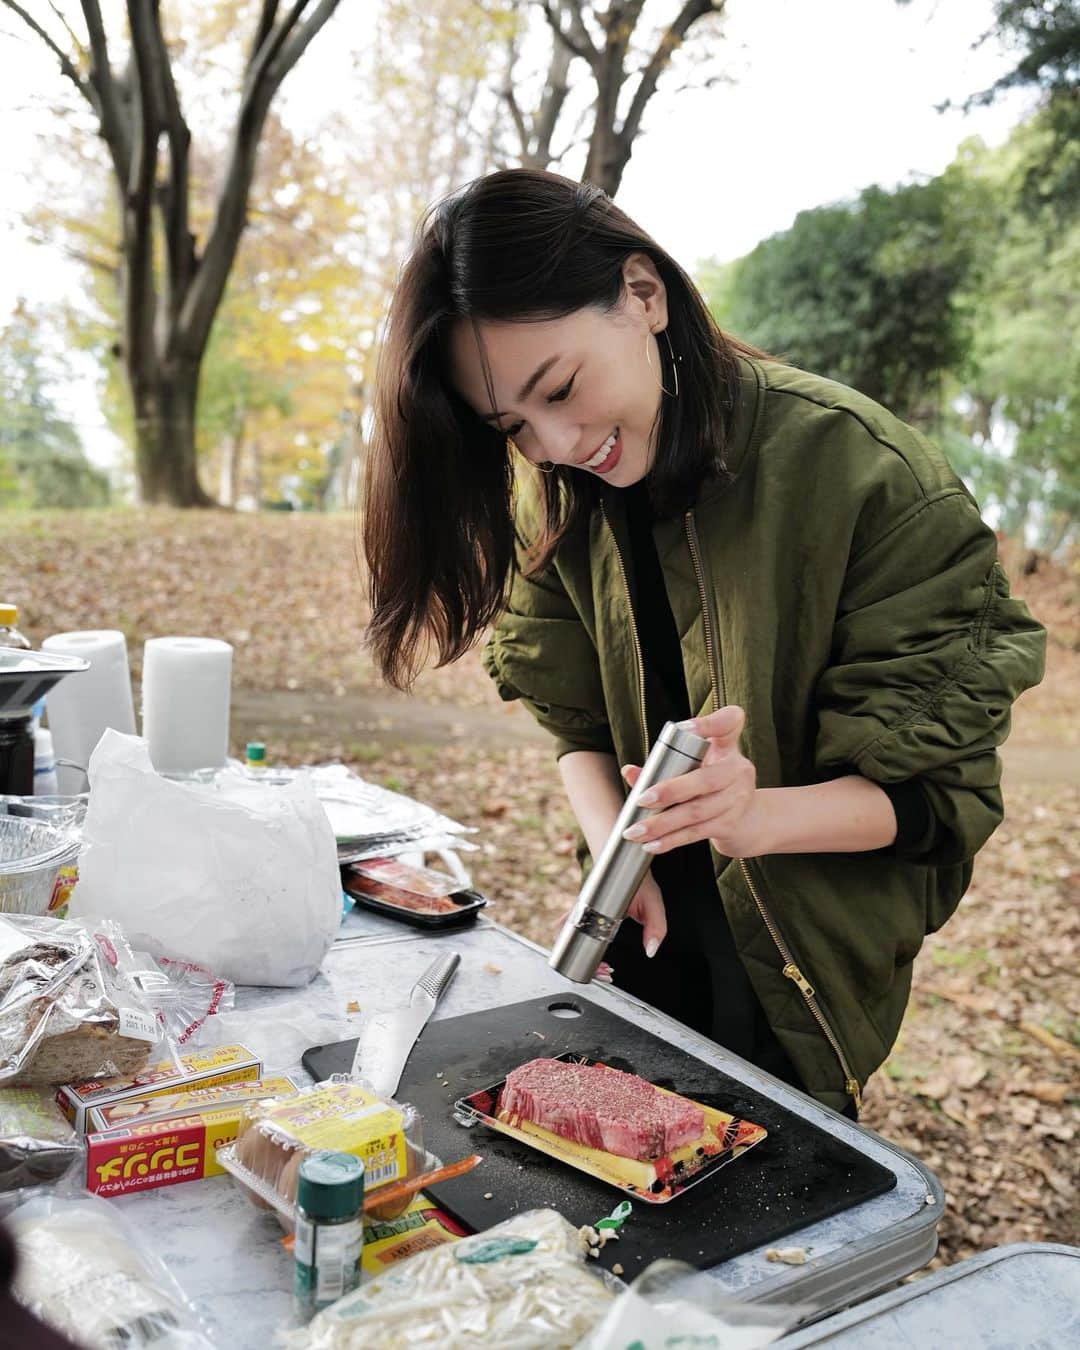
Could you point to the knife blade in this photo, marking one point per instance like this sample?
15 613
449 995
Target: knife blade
386 1038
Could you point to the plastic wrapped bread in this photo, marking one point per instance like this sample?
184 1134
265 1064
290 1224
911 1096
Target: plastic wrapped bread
67 1013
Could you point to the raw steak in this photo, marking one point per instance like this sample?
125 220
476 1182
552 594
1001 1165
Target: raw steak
601 1107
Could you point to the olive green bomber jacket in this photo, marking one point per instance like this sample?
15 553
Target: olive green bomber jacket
844 591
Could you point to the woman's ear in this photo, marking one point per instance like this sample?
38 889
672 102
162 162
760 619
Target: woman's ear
646 292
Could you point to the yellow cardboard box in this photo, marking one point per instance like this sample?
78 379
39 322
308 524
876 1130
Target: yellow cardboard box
201 1068
165 1146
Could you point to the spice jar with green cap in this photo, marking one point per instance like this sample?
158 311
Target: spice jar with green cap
329 1229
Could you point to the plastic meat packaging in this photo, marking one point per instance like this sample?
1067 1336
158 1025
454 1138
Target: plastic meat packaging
236 876
274 1137
521 1284
67 1010
38 1144
89 1274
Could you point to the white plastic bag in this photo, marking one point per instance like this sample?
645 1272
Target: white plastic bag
85 1269
237 876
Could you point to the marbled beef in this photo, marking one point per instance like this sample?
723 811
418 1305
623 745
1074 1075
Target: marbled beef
601 1107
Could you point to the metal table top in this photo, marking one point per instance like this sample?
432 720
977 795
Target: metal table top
227 1255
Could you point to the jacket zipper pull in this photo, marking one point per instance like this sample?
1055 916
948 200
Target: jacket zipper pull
792 971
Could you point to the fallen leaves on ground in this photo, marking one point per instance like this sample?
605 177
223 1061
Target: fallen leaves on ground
982 1086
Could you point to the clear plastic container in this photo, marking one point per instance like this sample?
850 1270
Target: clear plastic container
274 1137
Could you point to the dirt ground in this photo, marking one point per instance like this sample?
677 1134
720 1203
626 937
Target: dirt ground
982 1084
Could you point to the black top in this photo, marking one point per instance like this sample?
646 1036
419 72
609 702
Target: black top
697 975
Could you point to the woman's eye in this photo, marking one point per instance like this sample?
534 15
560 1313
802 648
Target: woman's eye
559 396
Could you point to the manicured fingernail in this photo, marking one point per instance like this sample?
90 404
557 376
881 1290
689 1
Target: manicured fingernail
652 947
603 968
647 798
653 846
635 832
602 979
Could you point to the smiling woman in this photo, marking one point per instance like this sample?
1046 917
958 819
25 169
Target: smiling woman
527 318
712 537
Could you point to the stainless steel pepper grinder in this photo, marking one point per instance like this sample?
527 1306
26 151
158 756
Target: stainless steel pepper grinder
621 867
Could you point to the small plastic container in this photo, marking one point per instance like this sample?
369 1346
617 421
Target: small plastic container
419 896
275 1137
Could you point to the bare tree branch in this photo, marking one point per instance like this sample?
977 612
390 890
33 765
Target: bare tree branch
263 27
586 50
66 64
268 69
98 264
139 299
180 246
115 125
76 44
263 56
691 11
518 119
299 41
556 90
576 14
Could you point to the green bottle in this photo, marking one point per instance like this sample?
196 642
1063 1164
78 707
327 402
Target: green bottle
329 1229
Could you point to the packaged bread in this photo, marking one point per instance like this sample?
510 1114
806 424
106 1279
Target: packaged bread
274 1137
66 1011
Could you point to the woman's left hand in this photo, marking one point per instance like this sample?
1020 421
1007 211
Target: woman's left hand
719 801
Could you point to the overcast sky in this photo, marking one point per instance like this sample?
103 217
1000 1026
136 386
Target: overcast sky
830 96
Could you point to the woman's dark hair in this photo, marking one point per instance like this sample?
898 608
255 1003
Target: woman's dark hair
438 528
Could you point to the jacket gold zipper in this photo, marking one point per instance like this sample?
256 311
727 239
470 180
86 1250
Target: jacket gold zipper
791 970
637 641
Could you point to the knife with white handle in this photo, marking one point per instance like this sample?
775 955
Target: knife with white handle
386 1038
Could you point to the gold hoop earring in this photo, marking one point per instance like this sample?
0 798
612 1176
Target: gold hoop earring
511 444
674 360
674 367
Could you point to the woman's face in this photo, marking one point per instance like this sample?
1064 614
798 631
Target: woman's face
577 391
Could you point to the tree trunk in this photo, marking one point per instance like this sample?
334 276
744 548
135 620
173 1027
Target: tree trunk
165 440
230 463
256 474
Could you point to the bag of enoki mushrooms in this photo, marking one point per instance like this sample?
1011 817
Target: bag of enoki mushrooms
521 1284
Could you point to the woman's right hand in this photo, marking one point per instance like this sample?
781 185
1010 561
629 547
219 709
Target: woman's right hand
647 908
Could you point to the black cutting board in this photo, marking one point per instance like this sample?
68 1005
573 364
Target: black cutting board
797 1176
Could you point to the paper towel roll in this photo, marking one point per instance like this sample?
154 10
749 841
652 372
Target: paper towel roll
185 702
82 706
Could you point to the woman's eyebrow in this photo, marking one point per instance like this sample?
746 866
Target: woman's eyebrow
527 388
